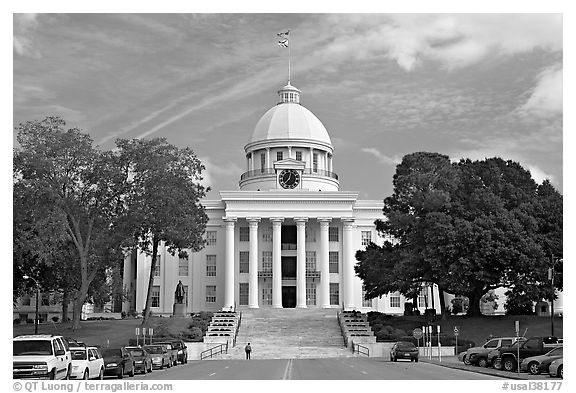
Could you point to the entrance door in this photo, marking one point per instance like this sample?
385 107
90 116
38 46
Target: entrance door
288 296
288 268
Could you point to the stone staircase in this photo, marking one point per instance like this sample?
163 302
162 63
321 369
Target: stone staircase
289 334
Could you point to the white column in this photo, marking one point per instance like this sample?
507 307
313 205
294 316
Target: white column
229 264
311 158
324 264
253 267
300 262
348 263
276 262
289 151
268 163
326 162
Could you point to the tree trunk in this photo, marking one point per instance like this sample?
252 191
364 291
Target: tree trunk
474 304
146 316
443 310
65 301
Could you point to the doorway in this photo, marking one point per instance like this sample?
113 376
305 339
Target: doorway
289 296
288 268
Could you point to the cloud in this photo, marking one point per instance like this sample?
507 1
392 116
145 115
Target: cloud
214 171
24 27
539 175
546 96
383 158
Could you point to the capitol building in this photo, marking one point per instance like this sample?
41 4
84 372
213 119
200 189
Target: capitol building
286 238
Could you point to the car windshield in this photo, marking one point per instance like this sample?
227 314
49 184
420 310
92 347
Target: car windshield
156 349
405 345
32 347
111 352
137 352
78 354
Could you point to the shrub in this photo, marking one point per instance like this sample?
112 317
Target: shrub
123 314
29 320
194 334
17 321
55 319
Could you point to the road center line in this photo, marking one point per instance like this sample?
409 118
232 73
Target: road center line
212 374
288 371
364 372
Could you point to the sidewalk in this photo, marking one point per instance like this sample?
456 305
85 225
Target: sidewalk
453 362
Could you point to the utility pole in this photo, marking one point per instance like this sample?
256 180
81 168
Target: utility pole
551 278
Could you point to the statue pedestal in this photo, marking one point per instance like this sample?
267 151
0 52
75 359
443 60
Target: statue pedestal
179 310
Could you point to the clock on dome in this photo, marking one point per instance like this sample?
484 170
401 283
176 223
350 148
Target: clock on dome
289 178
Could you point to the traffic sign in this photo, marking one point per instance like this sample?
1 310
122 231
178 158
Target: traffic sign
137 331
417 333
456 331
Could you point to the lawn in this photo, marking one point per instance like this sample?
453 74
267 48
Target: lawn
478 329
107 333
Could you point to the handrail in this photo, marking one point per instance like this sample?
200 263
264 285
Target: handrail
237 328
358 346
218 349
272 171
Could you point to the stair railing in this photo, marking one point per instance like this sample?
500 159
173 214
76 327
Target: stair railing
218 349
237 328
360 349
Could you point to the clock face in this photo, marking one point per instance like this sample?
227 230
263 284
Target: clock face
289 178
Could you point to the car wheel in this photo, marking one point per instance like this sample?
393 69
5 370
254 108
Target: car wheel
560 372
121 373
131 374
416 360
533 368
162 365
509 364
466 360
68 372
101 375
483 362
186 359
52 375
86 375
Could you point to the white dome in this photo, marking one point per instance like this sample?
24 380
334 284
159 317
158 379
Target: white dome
289 120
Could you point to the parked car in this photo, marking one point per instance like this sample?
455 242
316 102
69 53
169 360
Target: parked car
539 364
142 359
41 356
160 356
181 350
118 362
404 350
534 346
87 363
556 368
479 355
172 349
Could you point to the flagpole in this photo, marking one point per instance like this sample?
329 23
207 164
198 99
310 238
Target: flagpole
289 59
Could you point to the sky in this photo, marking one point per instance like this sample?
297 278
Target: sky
384 85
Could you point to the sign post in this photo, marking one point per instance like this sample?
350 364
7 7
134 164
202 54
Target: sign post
439 352
417 334
430 342
518 346
456 333
144 335
150 333
137 335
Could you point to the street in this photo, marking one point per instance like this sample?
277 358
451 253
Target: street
310 369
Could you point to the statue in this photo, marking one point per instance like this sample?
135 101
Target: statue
179 294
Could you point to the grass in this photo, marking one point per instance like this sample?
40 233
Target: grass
478 329
107 333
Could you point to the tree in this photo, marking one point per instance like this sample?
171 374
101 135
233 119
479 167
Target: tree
74 190
164 201
468 227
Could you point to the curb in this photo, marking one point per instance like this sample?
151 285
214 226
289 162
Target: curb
494 373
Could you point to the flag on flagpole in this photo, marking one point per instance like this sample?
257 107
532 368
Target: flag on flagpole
283 35
283 43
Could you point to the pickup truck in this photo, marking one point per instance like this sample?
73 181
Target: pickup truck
507 357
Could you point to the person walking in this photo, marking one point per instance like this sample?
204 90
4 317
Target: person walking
248 349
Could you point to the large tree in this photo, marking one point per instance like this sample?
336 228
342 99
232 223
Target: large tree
73 190
468 227
164 202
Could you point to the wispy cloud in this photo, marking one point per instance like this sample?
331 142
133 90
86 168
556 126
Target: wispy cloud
546 96
383 158
24 27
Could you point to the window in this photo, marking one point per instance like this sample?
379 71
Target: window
262 162
244 261
45 299
310 294
211 238
155 296
279 156
366 237
333 261
267 260
25 300
298 156
183 267
333 234
267 234
494 344
395 300
211 265
422 299
243 292
267 294
365 302
310 261
210 293
244 234
334 293
315 162
310 235
157 267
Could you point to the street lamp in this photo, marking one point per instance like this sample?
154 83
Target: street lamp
551 278
26 277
